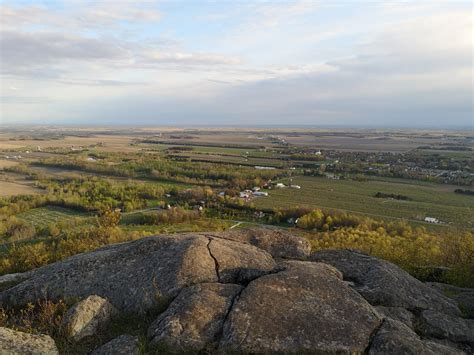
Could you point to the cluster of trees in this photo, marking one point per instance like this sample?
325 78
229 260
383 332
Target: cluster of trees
173 215
95 194
319 220
414 249
160 168
464 192
394 196
307 157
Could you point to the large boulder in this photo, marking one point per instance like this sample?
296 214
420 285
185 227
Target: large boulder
86 317
383 283
122 345
394 338
195 318
278 243
306 307
18 343
139 275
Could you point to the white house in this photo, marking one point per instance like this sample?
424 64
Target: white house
431 220
280 185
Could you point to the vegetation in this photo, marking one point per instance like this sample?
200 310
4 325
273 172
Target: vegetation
84 197
392 196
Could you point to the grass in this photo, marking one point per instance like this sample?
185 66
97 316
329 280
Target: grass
44 216
358 197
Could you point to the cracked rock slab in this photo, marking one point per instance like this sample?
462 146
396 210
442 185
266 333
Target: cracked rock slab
136 276
13 342
195 317
306 307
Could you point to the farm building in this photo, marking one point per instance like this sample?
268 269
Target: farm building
431 220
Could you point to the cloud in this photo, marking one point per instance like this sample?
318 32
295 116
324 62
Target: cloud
190 58
75 17
38 49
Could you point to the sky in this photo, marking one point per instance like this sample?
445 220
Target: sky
318 63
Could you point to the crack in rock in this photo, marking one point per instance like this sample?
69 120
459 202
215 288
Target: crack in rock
216 262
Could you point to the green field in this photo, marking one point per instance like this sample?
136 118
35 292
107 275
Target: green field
43 216
432 200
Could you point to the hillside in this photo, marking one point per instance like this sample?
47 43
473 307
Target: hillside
238 291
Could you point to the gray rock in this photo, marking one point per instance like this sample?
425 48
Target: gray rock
13 342
9 280
230 256
438 325
394 337
122 345
195 317
306 307
397 313
139 275
278 243
383 283
86 317
463 296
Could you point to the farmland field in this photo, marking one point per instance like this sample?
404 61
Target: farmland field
8 188
50 214
426 199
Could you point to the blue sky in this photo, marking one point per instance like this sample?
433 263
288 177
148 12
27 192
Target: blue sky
354 63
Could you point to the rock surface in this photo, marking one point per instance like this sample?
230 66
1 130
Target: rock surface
122 345
383 283
441 326
87 316
18 343
397 313
278 243
236 292
396 338
463 296
195 318
306 307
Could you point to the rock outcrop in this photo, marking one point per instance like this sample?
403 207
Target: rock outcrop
138 275
305 307
18 343
238 292
86 317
